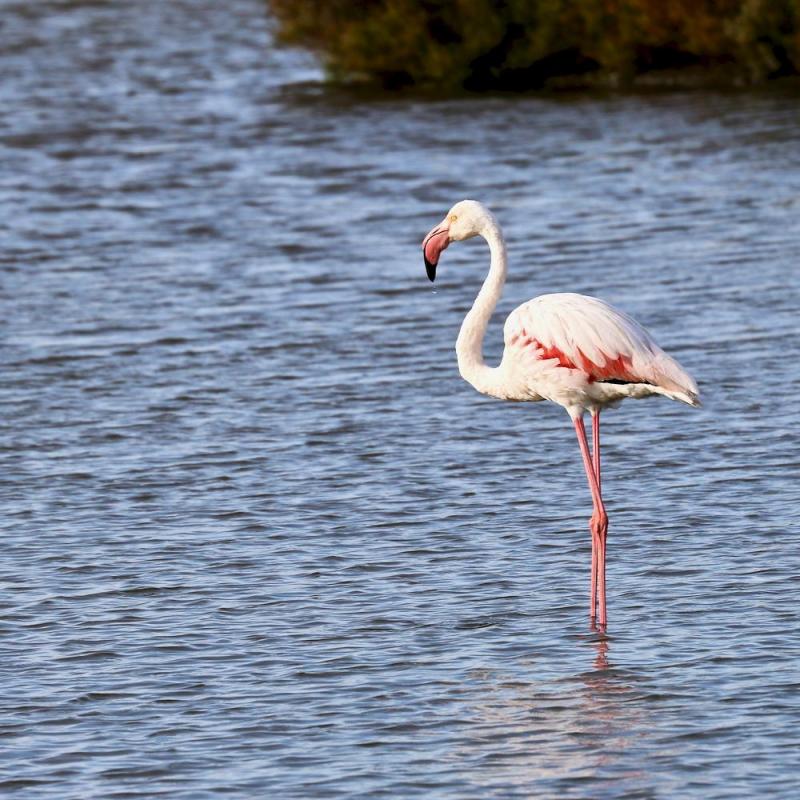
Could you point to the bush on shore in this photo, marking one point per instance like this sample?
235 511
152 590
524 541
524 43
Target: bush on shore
525 44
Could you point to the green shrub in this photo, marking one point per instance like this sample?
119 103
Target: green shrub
522 44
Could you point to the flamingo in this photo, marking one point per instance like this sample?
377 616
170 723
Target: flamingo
572 349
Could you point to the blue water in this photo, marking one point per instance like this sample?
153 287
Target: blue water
260 540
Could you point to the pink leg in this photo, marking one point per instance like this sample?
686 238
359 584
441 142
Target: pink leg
596 448
598 524
593 582
595 540
600 529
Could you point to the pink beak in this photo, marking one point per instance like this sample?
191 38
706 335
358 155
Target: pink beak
432 246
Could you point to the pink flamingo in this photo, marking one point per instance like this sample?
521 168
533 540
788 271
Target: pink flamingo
571 349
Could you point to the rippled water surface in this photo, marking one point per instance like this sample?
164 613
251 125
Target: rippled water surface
260 540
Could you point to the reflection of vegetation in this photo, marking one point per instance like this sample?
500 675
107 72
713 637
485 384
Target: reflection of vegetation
518 44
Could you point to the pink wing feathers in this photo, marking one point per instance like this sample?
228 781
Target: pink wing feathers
587 334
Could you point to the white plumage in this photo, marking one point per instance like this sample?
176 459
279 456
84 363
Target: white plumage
579 350
574 350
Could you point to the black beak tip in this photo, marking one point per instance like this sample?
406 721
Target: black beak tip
430 269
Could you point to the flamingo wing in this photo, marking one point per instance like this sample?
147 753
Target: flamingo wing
589 335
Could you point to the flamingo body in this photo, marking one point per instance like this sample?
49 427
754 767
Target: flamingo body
574 350
584 354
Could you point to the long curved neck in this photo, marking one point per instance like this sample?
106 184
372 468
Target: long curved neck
469 345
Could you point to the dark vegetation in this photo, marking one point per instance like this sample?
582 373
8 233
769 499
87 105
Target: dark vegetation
528 44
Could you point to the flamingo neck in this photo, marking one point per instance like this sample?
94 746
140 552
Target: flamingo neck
469 345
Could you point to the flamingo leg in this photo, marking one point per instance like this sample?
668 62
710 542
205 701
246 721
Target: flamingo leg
602 522
596 447
598 526
596 544
593 582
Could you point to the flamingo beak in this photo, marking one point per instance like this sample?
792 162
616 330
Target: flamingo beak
432 246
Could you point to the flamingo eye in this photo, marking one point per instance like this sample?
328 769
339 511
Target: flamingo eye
453 217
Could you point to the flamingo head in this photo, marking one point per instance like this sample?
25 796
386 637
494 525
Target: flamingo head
464 220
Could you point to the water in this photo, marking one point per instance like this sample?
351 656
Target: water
260 540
